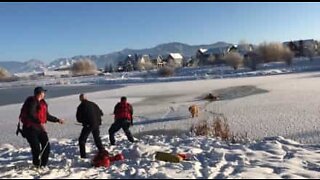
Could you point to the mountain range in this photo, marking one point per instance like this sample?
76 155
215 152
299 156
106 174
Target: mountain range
110 58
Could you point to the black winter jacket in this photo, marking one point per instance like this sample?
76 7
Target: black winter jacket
89 114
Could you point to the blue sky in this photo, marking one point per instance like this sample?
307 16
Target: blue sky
47 31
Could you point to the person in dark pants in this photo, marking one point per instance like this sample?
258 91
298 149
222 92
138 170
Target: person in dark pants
34 115
123 119
89 114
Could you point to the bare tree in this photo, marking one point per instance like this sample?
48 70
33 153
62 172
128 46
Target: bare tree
234 59
211 59
272 52
4 74
84 67
166 71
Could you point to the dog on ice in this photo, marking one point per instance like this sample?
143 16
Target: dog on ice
194 110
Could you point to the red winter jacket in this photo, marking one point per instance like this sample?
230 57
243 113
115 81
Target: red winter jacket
35 113
123 110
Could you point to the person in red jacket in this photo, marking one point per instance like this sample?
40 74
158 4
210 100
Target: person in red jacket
34 115
123 119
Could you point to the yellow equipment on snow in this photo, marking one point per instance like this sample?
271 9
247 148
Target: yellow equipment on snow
168 157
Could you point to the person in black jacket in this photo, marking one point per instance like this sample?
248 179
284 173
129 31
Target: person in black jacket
89 114
34 115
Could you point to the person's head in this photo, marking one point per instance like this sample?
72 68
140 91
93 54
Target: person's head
39 92
82 97
123 99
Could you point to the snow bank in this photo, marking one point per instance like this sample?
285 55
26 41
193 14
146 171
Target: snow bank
274 157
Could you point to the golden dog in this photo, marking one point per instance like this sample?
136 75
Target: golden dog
194 110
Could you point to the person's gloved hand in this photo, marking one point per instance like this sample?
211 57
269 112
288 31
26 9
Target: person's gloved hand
61 121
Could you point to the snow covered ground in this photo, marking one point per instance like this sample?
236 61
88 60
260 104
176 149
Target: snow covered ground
269 158
272 110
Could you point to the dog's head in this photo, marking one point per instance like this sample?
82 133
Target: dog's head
193 108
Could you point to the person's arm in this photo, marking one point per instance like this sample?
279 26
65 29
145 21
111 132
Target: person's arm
131 112
52 118
115 109
79 114
99 110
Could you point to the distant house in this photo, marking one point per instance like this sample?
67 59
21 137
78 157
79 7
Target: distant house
244 49
190 61
220 52
201 52
158 61
130 59
215 55
127 65
144 59
201 58
143 62
175 58
302 47
140 62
